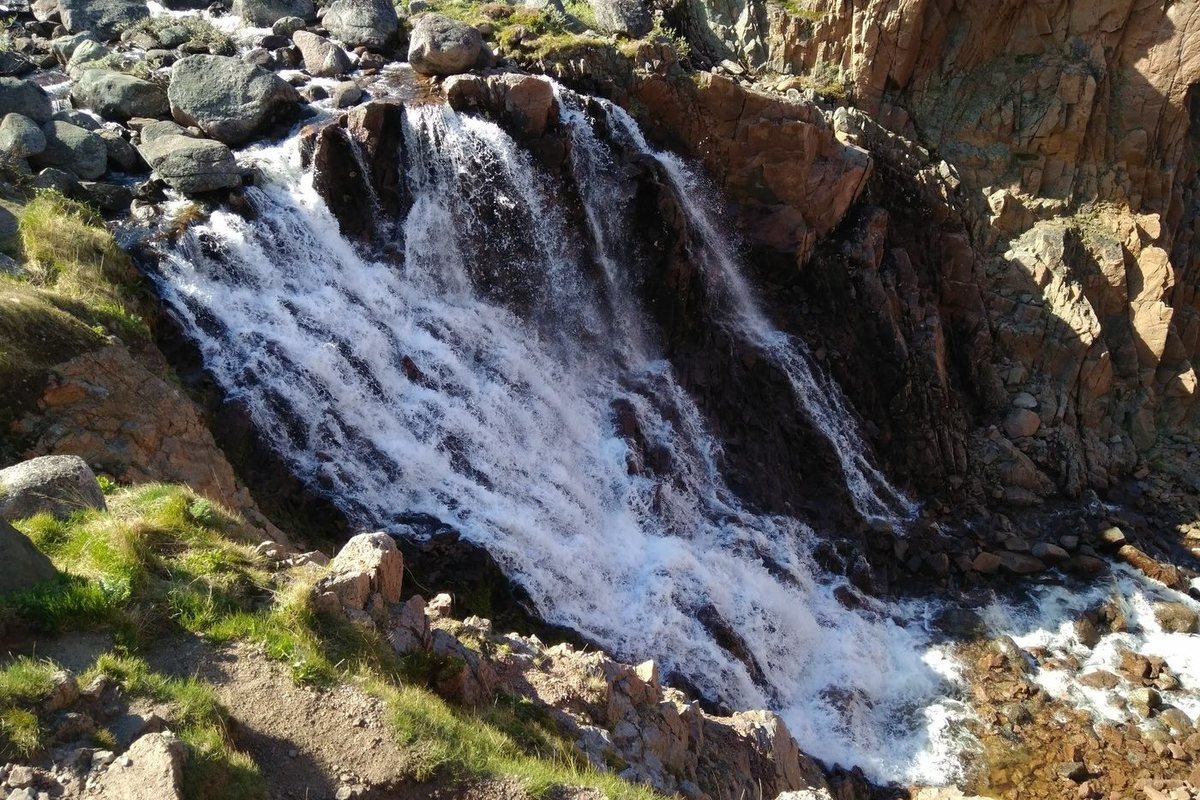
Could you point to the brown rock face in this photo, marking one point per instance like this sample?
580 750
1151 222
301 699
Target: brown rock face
1050 252
123 418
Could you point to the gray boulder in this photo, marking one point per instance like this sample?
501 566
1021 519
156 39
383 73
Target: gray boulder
76 117
265 13
443 46
58 485
105 19
59 180
73 148
286 26
44 10
24 98
22 566
122 155
188 164
228 99
322 58
85 56
362 23
627 17
114 95
64 46
346 94
21 137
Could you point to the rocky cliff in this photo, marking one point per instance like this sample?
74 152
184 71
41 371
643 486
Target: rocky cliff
1025 247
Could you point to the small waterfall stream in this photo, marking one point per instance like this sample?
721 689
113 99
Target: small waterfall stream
478 383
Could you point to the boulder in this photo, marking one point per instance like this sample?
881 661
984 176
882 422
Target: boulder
362 23
287 27
114 95
346 94
151 769
627 17
64 47
25 98
1020 563
22 565
44 10
122 155
322 58
443 46
265 13
103 18
1176 617
58 485
14 64
1021 422
74 149
368 564
188 164
228 99
1050 553
21 137
85 56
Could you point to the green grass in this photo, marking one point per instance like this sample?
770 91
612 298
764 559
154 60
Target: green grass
510 739
214 768
24 682
79 287
159 557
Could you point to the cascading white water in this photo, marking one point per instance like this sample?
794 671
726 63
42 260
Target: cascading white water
508 433
873 496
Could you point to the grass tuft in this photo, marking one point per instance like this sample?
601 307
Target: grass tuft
24 683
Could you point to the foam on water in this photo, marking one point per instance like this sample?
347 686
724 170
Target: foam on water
509 434
1047 620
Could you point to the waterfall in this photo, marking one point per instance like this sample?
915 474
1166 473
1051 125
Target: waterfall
480 382
821 398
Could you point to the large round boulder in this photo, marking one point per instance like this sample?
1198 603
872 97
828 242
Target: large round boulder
362 23
188 164
105 19
72 148
25 98
21 137
227 98
443 46
265 13
322 58
57 485
628 17
114 95
22 566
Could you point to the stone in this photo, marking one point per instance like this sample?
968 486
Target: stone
286 27
410 630
362 23
152 769
986 563
1020 563
21 137
1100 679
528 103
322 58
265 13
229 100
72 148
1021 423
627 17
1176 617
14 65
120 97
87 55
443 46
1050 553
1144 700
188 164
64 691
22 565
44 10
1112 537
122 155
104 19
1025 400
369 563
440 607
56 179
56 485
346 94
25 98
